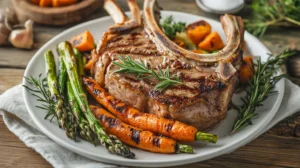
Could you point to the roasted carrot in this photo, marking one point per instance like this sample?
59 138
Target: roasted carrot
179 42
45 3
211 42
199 51
150 122
83 41
136 137
198 30
36 2
246 72
59 3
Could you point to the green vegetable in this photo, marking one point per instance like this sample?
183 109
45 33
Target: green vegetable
111 143
272 13
142 71
260 86
171 28
187 41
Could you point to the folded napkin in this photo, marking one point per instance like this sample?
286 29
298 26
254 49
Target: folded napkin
18 121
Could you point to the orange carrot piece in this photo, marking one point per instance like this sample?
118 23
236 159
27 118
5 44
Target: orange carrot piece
134 136
246 72
45 3
132 116
197 31
59 3
179 42
84 41
212 42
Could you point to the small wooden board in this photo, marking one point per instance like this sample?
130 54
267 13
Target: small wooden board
55 16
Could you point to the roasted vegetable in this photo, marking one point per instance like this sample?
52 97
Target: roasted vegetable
197 31
136 137
200 51
211 42
246 70
83 41
179 42
59 3
146 121
187 41
111 143
45 3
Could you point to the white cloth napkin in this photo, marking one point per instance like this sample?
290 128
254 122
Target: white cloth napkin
18 121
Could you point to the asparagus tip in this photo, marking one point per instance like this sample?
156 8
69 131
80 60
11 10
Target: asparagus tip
206 137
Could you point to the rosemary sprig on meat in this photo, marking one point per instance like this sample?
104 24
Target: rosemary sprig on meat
272 13
140 68
260 86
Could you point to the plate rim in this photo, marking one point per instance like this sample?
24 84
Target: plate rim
149 163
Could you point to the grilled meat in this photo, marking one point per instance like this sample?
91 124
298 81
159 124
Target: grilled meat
209 80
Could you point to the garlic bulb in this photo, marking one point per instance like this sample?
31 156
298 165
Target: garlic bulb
23 38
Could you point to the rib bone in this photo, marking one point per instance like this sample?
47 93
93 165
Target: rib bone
122 24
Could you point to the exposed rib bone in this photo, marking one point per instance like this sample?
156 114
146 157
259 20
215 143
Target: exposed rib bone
233 27
123 26
115 11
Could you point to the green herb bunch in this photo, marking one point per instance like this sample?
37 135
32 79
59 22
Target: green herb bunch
170 27
272 13
260 87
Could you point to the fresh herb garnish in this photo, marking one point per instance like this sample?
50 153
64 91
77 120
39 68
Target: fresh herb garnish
272 13
170 27
142 71
260 86
41 92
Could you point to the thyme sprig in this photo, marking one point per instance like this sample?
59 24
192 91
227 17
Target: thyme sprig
141 69
272 13
260 87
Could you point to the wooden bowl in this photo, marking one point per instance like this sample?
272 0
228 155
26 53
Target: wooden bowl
55 16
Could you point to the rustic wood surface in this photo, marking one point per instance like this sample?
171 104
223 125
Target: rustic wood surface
279 147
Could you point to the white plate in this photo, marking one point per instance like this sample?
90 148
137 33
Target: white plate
226 143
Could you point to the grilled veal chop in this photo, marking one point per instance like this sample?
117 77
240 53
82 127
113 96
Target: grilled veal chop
209 80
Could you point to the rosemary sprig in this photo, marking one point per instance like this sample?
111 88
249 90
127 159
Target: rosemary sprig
259 88
272 13
41 92
142 71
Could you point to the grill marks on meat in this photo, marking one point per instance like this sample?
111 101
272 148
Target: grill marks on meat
208 81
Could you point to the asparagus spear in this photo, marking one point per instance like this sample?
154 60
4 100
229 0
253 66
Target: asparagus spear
112 144
63 75
79 62
61 112
84 130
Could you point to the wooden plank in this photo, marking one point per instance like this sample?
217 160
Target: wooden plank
14 153
10 78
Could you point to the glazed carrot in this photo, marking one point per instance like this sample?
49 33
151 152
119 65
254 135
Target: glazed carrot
36 2
211 42
150 122
199 51
45 3
59 3
136 137
179 42
88 65
246 72
84 41
198 30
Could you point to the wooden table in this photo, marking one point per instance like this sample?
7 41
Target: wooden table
279 147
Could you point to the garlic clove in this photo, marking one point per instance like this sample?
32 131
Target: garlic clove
23 38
